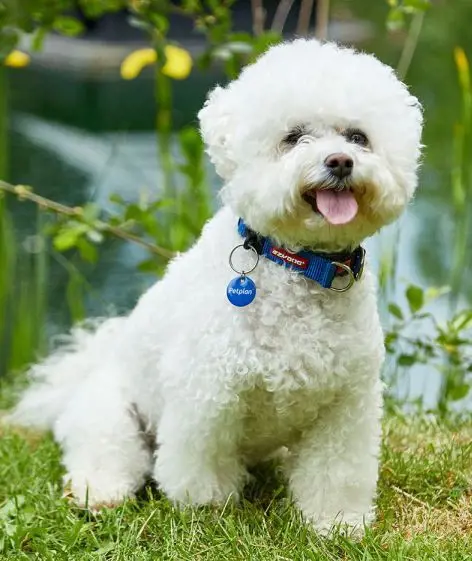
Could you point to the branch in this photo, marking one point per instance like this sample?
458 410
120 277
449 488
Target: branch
23 192
322 20
410 44
281 15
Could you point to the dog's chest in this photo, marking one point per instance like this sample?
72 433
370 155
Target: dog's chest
275 419
307 337
311 345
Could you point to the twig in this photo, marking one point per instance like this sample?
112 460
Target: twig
304 17
412 497
281 15
410 45
258 17
322 20
23 192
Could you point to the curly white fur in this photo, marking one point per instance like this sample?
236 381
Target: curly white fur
222 387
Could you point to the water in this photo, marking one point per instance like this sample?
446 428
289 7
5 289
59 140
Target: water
82 138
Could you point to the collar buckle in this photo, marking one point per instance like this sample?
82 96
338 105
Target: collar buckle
352 278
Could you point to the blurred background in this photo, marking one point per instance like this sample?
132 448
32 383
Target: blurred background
98 103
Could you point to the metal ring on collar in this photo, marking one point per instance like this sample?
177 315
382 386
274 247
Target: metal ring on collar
352 278
231 259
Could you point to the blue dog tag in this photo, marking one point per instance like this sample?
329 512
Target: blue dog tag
241 291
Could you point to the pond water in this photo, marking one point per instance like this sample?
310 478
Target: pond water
78 138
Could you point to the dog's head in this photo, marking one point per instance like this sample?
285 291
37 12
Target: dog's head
318 145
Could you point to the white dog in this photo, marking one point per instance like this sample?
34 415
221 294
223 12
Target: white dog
318 147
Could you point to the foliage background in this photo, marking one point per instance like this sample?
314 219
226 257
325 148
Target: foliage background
72 241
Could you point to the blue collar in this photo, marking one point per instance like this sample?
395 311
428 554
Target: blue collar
320 267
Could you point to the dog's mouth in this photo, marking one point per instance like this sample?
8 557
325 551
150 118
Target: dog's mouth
337 205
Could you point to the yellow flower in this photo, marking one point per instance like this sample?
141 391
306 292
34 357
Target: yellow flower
17 59
178 63
463 67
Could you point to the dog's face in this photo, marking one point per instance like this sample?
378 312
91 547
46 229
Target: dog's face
318 145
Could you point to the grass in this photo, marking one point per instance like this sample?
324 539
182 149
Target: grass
23 297
424 509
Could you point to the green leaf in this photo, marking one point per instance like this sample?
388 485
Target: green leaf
395 310
149 266
407 360
160 22
457 392
68 236
390 339
417 5
264 41
90 212
94 236
133 212
10 508
117 199
462 321
395 19
415 297
68 26
88 252
38 39
239 47
222 52
434 292
139 23
8 41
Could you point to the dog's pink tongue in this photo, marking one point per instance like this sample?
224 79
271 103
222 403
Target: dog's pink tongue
338 207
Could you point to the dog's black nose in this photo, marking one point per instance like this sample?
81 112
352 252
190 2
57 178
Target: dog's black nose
339 165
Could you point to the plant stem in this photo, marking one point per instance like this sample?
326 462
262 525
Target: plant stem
258 17
163 100
23 193
281 15
163 97
322 20
3 123
403 65
461 183
410 45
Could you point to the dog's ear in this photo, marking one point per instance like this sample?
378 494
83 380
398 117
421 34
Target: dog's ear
217 128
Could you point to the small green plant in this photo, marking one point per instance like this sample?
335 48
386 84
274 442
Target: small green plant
417 337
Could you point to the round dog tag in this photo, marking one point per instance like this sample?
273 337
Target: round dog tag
241 291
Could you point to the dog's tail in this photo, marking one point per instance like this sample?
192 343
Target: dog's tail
56 379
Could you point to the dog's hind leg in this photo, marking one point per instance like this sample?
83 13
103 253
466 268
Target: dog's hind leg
105 455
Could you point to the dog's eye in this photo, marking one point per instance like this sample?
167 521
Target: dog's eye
357 137
294 136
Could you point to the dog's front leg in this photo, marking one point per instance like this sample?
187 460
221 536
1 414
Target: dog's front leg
334 469
197 459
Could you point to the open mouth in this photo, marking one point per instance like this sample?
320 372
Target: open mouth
337 206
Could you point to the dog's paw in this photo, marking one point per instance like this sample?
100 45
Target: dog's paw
199 487
351 525
96 495
208 492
